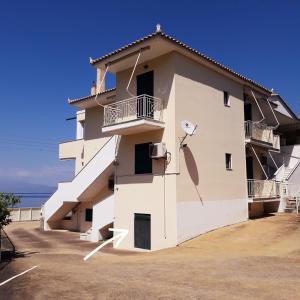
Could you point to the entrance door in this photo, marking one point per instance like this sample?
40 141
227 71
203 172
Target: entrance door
249 166
142 231
145 86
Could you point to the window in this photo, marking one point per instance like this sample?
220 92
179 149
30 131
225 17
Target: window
226 99
88 214
228 161
143 161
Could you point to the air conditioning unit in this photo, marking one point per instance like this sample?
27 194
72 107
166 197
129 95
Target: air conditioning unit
157 150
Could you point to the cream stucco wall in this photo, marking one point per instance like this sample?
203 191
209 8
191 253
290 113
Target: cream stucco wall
154 194
83 150
204 185
199 98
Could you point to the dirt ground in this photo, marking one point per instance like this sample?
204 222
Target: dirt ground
257 259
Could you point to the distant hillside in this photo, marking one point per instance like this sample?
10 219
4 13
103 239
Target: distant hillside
30 200
15 186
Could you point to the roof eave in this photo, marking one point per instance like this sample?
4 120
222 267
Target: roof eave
104 59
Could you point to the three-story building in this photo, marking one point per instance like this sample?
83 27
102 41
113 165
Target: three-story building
136 169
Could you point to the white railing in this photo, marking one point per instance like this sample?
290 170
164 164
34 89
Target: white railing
262 189
140 107
261 132
276 142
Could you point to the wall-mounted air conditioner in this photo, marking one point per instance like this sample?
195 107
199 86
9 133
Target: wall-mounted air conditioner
157 150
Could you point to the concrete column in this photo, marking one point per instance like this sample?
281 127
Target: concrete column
100 74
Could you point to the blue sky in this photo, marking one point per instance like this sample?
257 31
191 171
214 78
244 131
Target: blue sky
45 47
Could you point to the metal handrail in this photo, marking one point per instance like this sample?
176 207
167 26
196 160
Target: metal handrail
142 106
261 132
261 189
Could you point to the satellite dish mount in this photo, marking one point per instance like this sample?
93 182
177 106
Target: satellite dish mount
189 128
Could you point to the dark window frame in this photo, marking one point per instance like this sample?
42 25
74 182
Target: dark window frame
142 161
228 161
226 97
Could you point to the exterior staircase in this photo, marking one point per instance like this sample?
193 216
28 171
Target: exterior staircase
94 174
287 173
292 205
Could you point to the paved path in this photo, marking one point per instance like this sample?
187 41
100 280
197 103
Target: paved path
258 259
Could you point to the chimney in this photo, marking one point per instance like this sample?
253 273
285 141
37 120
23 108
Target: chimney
100 74
93 88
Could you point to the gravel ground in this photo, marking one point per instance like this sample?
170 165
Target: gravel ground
257 259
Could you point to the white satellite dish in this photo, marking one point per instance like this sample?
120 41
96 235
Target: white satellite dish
188 127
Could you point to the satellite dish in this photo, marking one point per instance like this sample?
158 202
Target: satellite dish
188 127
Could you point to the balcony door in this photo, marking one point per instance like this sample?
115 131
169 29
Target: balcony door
248 112
249 168
145 86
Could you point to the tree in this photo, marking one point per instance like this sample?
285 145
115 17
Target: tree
7 201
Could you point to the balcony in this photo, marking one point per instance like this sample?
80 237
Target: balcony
70 149
262 135
138 114
263 189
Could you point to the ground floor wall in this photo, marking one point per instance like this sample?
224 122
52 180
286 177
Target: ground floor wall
147 195
195 218
102 217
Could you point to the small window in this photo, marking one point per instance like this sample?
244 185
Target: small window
143 161
228 161
88 214
226 99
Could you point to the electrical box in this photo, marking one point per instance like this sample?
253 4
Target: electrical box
157 150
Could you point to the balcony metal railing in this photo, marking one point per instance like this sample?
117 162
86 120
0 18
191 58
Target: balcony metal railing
261 132
276 143
139 107
262 189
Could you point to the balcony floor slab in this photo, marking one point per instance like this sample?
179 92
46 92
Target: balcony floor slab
133 127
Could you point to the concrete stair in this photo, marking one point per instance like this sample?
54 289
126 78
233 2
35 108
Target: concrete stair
291 205
85 184
86 236
287 172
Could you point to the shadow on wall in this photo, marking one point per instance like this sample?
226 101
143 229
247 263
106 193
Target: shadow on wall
192 169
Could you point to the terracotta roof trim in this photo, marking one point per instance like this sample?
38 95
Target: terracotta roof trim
177 42
72 101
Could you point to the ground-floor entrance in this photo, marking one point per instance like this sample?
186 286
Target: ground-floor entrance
142 231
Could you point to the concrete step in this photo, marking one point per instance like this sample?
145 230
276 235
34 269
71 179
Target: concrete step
85 236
